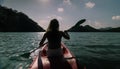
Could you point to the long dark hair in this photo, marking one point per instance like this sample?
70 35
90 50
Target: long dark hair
53 26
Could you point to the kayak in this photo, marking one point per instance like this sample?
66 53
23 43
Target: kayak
42 61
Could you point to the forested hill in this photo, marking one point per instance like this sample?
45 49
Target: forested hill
14 21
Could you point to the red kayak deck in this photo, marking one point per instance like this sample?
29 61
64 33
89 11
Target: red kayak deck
43 62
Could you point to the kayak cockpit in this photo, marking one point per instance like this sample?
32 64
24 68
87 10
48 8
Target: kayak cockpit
42 61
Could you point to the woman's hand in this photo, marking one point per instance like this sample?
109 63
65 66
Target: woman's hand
66 35
40 45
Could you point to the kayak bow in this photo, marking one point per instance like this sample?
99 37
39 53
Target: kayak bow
41 61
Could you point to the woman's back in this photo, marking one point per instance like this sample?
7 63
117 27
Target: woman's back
54 36
54 39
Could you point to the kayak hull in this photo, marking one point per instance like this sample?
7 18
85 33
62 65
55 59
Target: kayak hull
42 61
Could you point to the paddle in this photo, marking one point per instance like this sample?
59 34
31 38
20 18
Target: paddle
26 55
80 22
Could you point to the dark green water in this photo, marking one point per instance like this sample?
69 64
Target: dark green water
95 50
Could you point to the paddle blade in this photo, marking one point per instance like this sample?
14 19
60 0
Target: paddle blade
26 55
80 22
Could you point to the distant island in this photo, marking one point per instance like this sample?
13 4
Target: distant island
14 21
87 28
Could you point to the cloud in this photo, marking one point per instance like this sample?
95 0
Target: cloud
60 9
89 5
116 17
67 2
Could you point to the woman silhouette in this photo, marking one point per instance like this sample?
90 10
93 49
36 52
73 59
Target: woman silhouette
54 36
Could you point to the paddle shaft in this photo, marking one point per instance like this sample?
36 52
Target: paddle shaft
38 47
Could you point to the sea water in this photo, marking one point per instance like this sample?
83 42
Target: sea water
99 50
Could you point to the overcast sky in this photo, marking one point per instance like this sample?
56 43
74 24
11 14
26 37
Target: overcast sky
99 13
